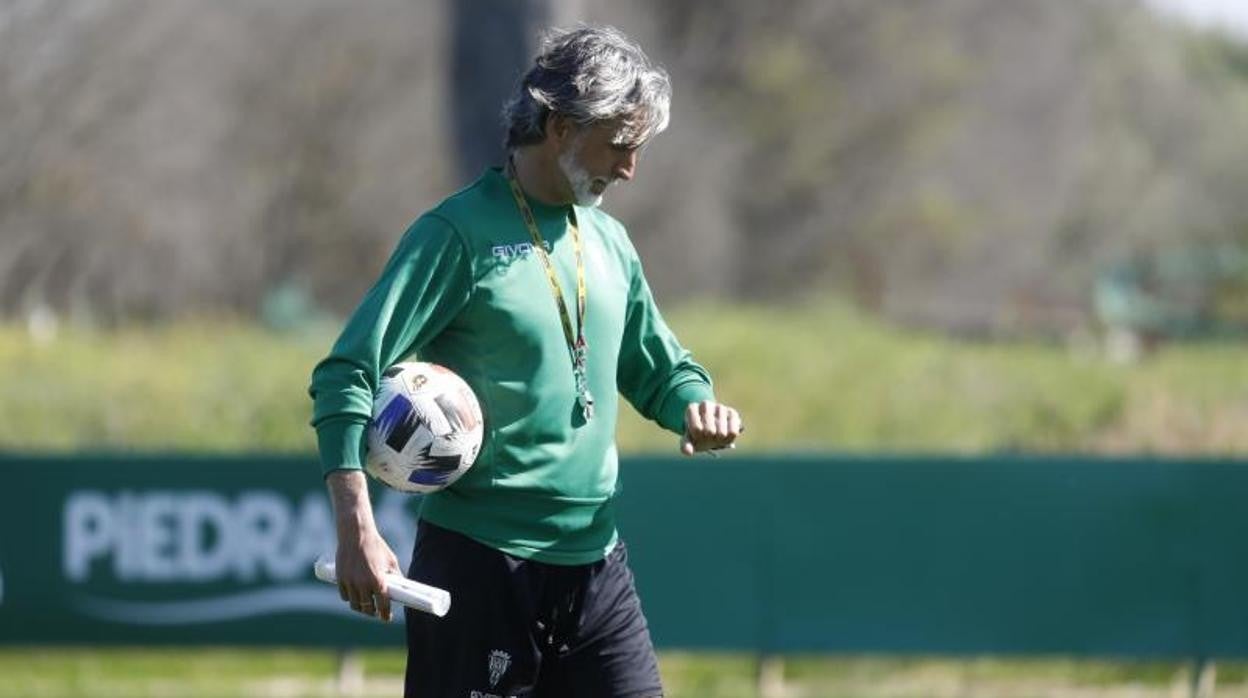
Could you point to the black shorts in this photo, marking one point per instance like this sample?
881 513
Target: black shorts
522 628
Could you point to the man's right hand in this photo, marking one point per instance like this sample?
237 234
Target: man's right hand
362 565
363 557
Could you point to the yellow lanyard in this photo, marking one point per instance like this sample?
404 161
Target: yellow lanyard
578 347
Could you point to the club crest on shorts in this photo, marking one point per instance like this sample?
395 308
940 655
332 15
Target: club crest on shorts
499 661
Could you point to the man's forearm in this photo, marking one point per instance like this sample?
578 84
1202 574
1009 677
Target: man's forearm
363 557
353 512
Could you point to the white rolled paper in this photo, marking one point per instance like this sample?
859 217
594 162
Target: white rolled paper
399 589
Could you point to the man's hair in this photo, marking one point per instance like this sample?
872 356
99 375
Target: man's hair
589 74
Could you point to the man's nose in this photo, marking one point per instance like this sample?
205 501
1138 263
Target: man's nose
626 166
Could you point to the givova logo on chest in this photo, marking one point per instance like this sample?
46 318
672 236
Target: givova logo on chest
510 252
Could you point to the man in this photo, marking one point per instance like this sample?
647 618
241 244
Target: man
536 298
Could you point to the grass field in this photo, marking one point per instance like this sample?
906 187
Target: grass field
220 673
816 377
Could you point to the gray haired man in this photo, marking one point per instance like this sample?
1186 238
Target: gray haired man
533 295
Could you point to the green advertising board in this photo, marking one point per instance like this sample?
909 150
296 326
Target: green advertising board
178 549
1008 555
996 555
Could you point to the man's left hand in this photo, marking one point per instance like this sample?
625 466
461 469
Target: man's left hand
709 426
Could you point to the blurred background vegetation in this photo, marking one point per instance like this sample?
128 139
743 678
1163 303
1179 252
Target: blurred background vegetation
916 226
965 165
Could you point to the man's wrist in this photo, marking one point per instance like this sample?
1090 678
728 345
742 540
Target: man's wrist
348 493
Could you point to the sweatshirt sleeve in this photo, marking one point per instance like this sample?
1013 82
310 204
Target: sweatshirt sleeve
424 285
655 373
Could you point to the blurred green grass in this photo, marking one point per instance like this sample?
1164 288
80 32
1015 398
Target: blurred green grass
818 376
288 673
208 386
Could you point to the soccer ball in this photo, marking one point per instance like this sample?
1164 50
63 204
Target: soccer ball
426 429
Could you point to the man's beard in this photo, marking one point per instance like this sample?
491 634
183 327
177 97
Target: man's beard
580 180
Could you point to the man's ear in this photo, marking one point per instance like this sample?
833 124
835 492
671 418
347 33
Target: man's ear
559 127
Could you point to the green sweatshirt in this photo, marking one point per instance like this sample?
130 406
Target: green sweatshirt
465 290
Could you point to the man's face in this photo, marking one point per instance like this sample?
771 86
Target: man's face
595 157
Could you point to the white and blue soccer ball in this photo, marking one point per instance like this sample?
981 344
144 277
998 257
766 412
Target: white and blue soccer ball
426 429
